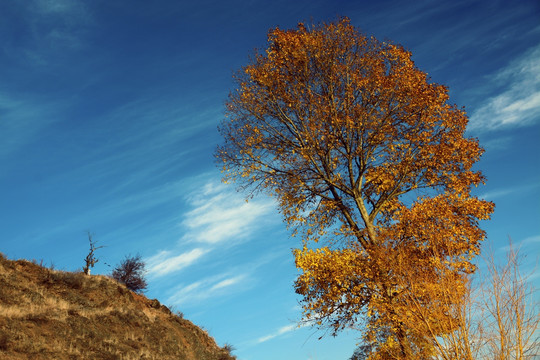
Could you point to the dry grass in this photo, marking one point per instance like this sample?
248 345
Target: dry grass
48 314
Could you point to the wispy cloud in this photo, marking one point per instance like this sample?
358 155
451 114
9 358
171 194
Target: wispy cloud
131 135
215 214
56 6
165 262
221 214
491 195
231 277
498 143
531 241
226 283
209 287
281 331
518 101
23 117
54 28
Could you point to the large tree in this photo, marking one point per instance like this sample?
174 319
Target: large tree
370 165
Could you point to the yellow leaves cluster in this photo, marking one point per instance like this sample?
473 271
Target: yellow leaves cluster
340 276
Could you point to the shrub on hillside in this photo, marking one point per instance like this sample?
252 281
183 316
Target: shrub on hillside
131 273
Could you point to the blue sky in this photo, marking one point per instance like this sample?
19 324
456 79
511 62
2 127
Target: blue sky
108 116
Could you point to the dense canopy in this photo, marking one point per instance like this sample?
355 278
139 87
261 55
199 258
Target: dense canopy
369 163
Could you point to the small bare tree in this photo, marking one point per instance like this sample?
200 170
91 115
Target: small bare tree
512 310
131 273
90 259
496 318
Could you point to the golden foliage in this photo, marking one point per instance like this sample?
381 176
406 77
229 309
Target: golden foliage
363 151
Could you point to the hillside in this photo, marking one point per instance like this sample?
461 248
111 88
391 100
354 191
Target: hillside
48 314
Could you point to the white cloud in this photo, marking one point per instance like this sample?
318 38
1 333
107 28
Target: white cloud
55 6
22 120
164 262
491 195
279 332
227 282
518 102
221 214
217 214
531 241
70 13
209 287
498 143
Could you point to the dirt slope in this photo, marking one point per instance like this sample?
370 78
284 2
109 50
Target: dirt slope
48 314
